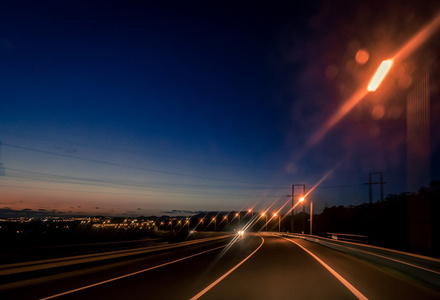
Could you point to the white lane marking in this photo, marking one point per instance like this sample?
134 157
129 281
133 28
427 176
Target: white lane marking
131 274
65 261
352 289
227 273
396 260
389 258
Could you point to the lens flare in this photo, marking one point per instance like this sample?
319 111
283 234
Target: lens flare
384 67
407 49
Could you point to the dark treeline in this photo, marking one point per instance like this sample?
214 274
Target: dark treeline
407 222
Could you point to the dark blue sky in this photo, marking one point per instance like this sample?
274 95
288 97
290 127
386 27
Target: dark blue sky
137 107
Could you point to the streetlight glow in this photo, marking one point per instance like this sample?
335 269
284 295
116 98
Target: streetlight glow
301 199
380 75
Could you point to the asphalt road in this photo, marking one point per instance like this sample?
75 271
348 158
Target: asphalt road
254 267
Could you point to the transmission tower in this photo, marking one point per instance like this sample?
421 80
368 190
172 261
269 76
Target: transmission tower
370 183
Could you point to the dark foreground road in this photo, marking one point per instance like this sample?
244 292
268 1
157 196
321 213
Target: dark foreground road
254 267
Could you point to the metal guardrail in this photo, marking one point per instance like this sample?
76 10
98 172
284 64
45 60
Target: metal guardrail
422 268
348 237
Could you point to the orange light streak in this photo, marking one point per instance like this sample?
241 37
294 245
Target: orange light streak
418 39
275 214
311 190
320 181
342 111
414 43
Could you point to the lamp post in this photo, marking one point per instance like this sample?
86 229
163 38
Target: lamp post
293 205
201 221
215 223
238 215
264 214
279 221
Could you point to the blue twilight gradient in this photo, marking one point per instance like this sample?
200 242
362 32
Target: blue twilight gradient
138 107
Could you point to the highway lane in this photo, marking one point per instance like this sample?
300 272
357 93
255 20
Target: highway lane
184 269
282 269
256 267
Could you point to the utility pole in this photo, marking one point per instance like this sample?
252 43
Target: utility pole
370 183
293 195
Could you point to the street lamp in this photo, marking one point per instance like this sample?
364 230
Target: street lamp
238 215
201 221
279 221
215 223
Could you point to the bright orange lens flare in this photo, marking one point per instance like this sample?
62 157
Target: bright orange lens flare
418 39
380 75
342 111
301 199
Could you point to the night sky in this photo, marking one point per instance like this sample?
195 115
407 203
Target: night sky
173 107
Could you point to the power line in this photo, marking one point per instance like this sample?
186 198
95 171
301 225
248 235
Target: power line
49 177
123 165
340 186
162 187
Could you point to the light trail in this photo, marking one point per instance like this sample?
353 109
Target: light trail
200 294
128 275
239 234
